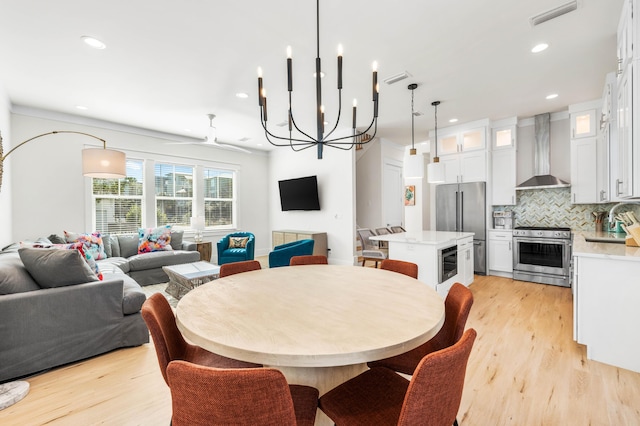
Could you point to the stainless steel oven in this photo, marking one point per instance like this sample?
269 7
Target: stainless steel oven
447 263
542 255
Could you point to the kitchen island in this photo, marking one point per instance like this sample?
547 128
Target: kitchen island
606 292
425 248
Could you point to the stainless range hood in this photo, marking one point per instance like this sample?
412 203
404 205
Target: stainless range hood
542 178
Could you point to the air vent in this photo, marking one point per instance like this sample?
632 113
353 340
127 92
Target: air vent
282 124
553 13
417 113
397 77
245 139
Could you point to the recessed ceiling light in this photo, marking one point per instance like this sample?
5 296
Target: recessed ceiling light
81 107
242 95
539 48
93 42
552 96
453 120
187 130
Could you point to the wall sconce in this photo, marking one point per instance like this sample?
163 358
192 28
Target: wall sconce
96 162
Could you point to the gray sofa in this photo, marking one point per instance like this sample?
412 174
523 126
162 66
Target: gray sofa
42 327
146 268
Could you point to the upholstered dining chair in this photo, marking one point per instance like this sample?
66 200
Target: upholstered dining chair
238 267
317 259
400 266
169 343
397 229
370 249
381 397
457 306
202 396
383 231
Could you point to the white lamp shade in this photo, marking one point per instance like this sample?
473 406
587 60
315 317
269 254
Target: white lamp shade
103 163
435 172
414 166
197 223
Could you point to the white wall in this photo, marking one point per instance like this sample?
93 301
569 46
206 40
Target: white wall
5 191
369 213
50 194
336 186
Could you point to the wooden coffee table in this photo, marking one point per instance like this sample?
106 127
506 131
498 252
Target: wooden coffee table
186 277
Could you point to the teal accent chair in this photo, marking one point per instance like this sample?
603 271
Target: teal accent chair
230 255
282 254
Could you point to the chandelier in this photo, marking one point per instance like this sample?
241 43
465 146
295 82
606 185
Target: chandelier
304 140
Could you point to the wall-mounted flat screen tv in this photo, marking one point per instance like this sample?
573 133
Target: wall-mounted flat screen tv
299 194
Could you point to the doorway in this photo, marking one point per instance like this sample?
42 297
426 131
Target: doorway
392 194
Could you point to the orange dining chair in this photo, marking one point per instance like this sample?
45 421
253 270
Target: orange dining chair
238 267
381 397
169 343
457 305
203 396
309 260
400 266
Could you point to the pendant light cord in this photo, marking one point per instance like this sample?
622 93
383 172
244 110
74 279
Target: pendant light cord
412 118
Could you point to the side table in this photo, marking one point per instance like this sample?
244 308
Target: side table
205 249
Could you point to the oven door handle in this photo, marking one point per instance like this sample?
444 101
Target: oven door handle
541 240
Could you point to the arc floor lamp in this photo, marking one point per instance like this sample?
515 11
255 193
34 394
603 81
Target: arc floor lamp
96 162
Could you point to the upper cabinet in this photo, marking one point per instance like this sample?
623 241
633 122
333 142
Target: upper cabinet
503 162
504 137
463 151
625 37
584 124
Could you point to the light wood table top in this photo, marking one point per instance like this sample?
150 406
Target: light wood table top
311 316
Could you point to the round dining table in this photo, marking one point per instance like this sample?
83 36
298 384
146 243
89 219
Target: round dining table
318 324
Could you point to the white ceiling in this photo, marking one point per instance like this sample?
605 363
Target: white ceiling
169 63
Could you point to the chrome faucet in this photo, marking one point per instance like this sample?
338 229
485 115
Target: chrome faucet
614 208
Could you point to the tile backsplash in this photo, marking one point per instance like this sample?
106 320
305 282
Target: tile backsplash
552 207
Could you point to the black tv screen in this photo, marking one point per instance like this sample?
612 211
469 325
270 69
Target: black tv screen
299 194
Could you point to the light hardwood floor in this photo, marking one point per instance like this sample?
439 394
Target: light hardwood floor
525 369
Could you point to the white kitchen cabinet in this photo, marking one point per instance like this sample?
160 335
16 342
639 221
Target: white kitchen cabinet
503 138
584 163
622 165
606 315
584 124
503 177
465 167
500 252
462 141
625 37
465 260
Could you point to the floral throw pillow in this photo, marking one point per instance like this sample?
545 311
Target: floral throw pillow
238 242
154 239
93 243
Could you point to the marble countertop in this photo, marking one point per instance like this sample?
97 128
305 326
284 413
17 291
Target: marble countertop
424 237
581 247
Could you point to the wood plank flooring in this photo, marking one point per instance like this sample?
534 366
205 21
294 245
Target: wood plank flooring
525 369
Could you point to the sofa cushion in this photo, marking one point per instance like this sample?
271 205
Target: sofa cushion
154 239
176 240
128 244
114 265
92 243
158 259
56 268
14 278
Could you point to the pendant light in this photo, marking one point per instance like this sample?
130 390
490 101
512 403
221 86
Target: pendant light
435 169
414 166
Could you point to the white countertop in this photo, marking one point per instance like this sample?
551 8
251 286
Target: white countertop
581 247
424 237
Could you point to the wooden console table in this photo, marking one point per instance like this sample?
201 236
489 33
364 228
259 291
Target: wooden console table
288 236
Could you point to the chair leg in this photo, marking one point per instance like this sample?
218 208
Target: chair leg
455 422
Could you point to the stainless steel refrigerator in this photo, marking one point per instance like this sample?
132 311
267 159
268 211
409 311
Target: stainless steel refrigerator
461 207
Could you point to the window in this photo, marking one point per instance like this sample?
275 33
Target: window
118 202
218 197
174 194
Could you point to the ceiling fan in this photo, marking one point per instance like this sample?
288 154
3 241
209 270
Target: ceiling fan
212 139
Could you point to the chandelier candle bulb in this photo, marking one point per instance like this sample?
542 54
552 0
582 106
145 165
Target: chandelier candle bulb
339 67
259 86
355 104
289 66
375 80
